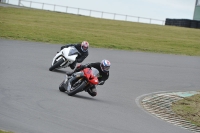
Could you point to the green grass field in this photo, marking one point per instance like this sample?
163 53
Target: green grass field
61 28
1 131
189 108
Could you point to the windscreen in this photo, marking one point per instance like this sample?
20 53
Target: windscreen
73 51
95 72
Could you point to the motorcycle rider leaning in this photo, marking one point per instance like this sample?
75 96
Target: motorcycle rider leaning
83 52
103 68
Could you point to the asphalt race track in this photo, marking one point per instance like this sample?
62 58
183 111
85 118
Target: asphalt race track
30 101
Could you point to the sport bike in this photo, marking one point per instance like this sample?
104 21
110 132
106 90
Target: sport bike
80 81
64 58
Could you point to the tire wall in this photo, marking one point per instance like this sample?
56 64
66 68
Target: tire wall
183 23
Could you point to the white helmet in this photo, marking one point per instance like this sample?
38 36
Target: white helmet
84 46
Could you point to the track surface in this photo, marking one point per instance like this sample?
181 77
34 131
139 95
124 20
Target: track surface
30 101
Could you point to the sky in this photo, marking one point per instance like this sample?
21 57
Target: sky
154 9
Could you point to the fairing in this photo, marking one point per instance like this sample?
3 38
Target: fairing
91 75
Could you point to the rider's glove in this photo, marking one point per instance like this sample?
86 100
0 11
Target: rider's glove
66 46
82 67
88 66
62 47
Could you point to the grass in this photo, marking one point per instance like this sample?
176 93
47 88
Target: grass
61 28
189 108
1 131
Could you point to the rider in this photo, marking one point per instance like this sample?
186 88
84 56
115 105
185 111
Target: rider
103 68
83 52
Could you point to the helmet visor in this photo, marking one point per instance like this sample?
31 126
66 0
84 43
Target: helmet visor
84 48
105 68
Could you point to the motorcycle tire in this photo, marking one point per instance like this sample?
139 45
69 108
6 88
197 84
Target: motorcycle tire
61 87
57 64
77 89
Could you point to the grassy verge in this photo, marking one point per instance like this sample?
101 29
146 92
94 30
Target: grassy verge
61 28
189 108
1 131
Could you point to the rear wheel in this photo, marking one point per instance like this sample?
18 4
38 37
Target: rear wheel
57 64
77 87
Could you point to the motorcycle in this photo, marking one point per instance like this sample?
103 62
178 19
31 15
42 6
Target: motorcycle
80 81
64 58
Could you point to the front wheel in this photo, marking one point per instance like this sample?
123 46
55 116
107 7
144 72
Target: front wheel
57 64
61 87
77 88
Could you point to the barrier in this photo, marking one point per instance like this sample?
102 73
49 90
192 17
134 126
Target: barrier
183 23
